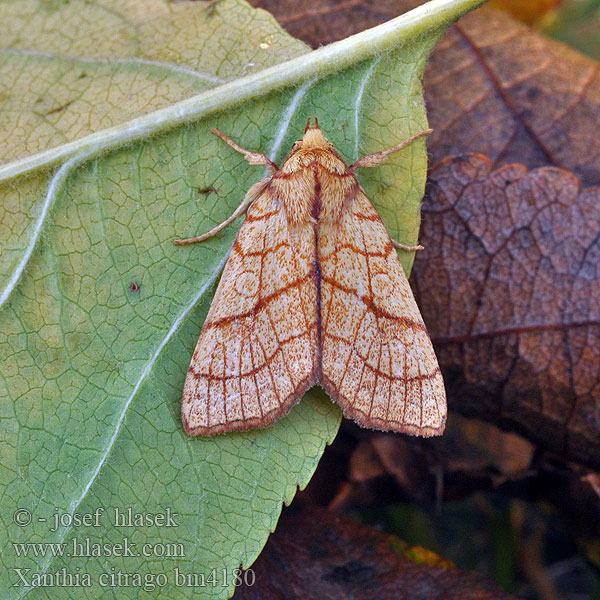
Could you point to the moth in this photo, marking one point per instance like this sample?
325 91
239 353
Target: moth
313 292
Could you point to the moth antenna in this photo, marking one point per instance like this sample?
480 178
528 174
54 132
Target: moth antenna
317 122
307 125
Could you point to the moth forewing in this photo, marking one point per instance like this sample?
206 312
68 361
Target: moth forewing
258 350
377 359
313 293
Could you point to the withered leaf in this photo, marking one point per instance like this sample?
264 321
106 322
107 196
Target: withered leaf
470 450
318 554
492 84
497 87
332 20
510 292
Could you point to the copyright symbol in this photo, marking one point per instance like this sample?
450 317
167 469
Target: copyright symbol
21 517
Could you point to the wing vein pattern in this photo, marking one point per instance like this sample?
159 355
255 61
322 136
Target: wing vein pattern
256 354
377 362
313 293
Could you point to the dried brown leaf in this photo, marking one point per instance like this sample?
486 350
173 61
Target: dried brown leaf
332 20
492 85
471 455
318 554
497 87
510 291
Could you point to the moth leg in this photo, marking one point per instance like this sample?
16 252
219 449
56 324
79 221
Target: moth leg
253 193
407 248
372 160
254 158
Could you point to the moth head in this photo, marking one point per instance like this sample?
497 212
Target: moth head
313 138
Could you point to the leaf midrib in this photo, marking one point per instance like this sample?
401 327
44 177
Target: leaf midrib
319 63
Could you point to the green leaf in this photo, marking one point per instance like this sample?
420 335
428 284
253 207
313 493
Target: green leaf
100 311
576 23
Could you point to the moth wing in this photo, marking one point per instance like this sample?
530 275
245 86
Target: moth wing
378 362
258 349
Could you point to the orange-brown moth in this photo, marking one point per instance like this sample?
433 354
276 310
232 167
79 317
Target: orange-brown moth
313 292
